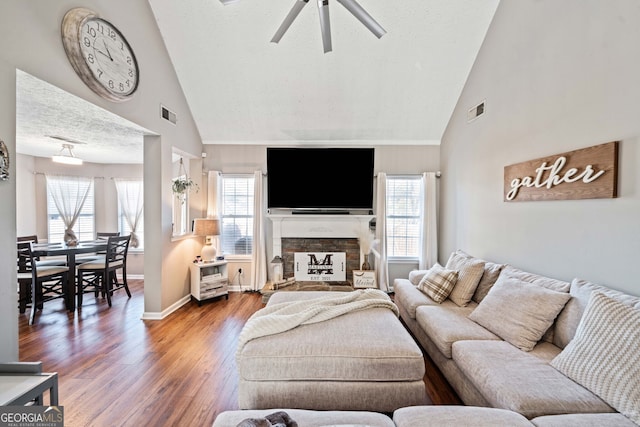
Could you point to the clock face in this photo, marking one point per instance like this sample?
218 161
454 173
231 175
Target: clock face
100 54
109 57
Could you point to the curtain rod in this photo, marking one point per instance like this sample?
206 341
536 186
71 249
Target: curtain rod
58 174
438 174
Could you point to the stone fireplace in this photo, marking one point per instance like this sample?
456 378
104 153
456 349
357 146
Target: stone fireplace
318 233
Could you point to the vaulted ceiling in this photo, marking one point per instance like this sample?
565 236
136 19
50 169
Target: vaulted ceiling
243 89
401 88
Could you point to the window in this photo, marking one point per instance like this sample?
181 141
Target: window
85 224
404 204
237 214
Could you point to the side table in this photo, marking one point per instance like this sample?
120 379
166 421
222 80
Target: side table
21 383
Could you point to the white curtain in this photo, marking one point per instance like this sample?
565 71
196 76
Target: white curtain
429 240
381 231
214 192
214 202
69 194
131 197
259 252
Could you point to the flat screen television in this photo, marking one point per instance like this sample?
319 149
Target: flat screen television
317 179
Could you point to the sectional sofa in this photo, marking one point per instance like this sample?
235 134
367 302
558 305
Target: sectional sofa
519 348
541 347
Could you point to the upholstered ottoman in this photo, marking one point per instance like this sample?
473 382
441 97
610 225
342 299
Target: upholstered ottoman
306 418
361 361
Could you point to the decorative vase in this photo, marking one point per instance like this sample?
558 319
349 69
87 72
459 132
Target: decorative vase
365 264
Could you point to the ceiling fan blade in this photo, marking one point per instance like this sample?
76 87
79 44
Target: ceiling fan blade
362 15
291 16
325 24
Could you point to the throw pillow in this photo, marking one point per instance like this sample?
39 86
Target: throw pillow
470 271
519 312
438 283
415 276
491 273
603 355
569 318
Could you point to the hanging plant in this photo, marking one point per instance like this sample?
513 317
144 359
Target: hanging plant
183 184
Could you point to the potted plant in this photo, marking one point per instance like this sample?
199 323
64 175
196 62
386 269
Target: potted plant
183 184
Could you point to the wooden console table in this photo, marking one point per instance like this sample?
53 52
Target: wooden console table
21 383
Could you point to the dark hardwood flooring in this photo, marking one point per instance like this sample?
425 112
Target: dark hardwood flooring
118 370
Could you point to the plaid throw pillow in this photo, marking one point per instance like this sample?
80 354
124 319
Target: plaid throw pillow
438 283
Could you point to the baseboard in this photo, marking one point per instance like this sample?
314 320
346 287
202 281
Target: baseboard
154 315
135 276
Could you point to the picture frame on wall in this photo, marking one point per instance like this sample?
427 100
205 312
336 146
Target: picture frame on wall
364 279
4 161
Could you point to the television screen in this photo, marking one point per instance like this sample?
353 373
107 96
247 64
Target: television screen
320 178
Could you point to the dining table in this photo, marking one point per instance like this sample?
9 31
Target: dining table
70 251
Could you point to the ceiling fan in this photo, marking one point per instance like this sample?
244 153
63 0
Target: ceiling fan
325 24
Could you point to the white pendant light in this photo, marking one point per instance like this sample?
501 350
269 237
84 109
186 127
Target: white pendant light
67 159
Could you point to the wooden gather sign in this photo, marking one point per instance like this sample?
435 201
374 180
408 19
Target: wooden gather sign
589 173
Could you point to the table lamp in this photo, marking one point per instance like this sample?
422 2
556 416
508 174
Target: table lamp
207 227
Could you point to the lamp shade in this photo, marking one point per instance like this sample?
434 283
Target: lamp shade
206 227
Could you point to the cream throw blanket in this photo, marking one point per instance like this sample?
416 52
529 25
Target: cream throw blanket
277 318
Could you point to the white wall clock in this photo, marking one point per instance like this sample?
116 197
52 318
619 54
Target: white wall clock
100 54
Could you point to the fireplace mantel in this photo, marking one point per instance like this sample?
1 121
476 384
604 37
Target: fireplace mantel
316 226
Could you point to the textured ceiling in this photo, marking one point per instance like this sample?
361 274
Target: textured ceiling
241 89
43 111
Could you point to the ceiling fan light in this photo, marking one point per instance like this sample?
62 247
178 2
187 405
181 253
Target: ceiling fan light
288 20
362 16
67 159
325 24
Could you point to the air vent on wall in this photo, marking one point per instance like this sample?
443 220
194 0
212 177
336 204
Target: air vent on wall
166 114
475 112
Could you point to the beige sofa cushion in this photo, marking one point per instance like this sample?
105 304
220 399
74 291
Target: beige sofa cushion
409 297
570 316
456 416
307 418
584 420
445 325
415 276
536 279
519 312
509 378
604 354
438 283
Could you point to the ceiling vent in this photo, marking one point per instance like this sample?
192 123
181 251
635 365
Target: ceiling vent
475 112
167 114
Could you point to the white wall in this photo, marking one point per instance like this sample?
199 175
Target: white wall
8 280
30 40
556 76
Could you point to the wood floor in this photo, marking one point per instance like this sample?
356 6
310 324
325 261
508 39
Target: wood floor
117 370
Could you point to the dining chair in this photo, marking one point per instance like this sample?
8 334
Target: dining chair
45 283
41 261
100 235
100 275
